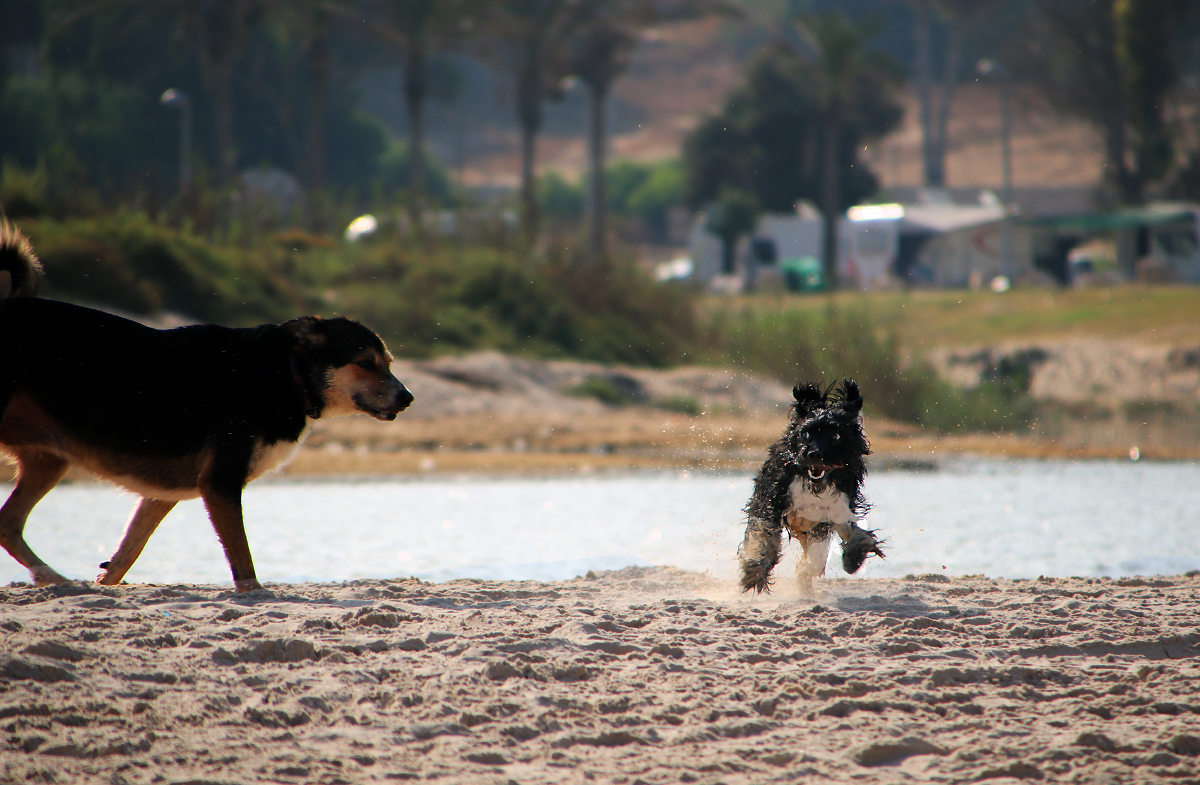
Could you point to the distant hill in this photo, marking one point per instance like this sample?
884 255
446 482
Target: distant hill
686 70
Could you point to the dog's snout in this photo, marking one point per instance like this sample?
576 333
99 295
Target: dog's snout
403 397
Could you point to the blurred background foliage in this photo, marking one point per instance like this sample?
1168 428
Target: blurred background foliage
89 167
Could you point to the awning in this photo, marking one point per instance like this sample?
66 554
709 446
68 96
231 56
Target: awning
1128 218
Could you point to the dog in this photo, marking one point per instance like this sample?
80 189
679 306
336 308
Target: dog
195 411
811 485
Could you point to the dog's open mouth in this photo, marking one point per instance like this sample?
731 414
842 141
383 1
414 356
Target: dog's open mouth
817 471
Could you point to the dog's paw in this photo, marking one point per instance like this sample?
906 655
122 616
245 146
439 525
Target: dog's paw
758 555
245 585
756 577
44 575
858 546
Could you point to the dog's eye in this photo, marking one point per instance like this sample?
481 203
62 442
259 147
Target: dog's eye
837 437
368 365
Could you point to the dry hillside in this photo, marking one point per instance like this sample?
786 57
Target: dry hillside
683 71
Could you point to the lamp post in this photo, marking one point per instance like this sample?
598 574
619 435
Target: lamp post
179 99
993 68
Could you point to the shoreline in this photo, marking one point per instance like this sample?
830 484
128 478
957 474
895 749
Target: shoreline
317 463
643 674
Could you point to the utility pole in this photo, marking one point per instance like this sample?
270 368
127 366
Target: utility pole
178 99
988 67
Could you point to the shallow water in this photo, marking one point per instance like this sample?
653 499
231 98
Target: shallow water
1014 519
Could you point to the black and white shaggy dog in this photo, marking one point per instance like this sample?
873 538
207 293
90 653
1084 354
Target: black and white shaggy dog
811 485
168 414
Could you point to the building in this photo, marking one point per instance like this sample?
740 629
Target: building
938 244
779 242
944 244
1157 243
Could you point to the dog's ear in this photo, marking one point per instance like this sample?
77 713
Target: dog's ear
306 333
808 398
849 399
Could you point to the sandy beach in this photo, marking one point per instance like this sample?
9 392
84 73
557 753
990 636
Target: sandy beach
642 675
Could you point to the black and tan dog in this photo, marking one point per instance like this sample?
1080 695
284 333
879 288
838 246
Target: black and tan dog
811 485
168 414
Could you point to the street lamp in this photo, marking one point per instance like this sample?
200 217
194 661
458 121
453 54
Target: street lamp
993 68
179 99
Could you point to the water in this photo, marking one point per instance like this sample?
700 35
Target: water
1015 519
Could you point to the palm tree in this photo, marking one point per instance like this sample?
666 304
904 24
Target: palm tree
416 28
534 33
956 15
309 22
838 49
221 29
299 32
598 53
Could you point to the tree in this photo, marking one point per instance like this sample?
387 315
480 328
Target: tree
416 28
1108 62
956 15
837 47
598 54
297 51
221 29
533 33
1147 29
735 214
88 104
768 138
306 23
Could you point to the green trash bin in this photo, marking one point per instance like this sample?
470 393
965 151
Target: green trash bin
802 274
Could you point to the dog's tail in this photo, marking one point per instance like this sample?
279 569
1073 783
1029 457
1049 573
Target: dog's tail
18 260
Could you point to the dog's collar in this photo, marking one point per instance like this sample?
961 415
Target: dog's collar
309 409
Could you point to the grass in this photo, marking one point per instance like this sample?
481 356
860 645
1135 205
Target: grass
795 342
927 319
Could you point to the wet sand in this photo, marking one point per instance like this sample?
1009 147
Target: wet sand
643 675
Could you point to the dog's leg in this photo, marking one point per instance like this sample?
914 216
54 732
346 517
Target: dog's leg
221 488
145 520
759 554
857 545
37 473
812 563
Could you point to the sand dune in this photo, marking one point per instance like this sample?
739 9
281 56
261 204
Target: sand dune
643 675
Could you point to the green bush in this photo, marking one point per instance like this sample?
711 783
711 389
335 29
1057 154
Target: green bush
681 404
634 189
431 300
602 389
394 173
561 201
128 262
798 345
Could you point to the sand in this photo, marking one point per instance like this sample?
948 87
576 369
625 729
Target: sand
643 675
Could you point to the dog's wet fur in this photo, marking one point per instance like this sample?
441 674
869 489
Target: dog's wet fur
811 486
168 414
